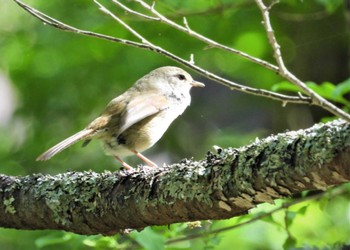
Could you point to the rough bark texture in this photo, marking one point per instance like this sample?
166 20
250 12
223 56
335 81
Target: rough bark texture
225 184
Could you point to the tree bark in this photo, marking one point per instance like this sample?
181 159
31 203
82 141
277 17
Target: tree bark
224 184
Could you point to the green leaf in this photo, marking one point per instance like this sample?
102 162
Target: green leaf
290 215
302 210
322 203
245 217
327 90
285 86
342 89
149 239
330 92
53 239
324 89
271 220
99 242
289 243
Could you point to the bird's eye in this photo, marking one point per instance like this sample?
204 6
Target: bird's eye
181 77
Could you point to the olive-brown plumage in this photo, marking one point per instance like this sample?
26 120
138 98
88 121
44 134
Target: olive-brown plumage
137 119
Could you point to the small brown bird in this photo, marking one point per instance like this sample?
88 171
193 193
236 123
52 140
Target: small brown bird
137 119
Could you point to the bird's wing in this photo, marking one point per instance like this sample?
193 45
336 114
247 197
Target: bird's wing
141 107
124 111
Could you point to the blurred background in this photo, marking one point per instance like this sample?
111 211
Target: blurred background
53 83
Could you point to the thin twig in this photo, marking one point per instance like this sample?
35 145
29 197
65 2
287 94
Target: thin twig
211 43
131 11
190 64
335 192
233 86
284 72
125 25
281 69
62 26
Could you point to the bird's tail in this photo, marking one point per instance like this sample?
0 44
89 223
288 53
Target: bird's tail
83 134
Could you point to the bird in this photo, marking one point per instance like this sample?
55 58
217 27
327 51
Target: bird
135 120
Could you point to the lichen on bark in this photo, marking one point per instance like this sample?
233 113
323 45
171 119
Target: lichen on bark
223 184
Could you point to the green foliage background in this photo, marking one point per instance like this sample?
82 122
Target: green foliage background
61 81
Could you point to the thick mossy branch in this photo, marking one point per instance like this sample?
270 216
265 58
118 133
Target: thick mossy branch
223 185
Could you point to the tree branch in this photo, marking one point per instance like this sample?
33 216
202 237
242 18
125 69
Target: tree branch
222 185
145 44
313 98
190 32
284 72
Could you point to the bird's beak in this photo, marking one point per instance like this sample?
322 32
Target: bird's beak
197 84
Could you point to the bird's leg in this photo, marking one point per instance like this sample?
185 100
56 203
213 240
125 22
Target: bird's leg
125 165
144 158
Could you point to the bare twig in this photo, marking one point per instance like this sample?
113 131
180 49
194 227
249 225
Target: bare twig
211 43
190 64
281 69
125 25
284 72
131 11
145 44
62 26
